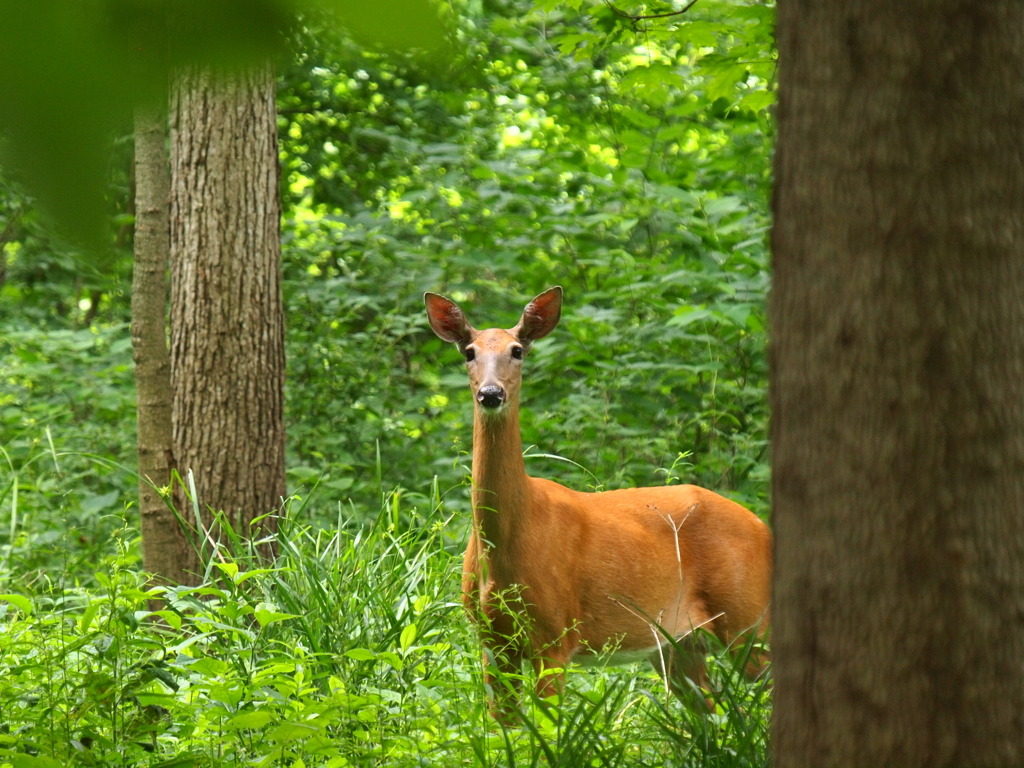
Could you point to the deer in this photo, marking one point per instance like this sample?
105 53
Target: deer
552 575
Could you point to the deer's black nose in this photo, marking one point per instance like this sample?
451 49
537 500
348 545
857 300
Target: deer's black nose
490 396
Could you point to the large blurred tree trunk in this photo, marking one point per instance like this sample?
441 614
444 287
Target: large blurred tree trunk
897 318
160 553
227 346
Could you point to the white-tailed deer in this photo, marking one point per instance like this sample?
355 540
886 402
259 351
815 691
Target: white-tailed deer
554 574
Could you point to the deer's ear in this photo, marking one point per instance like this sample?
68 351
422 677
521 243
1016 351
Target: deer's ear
447 319
540 316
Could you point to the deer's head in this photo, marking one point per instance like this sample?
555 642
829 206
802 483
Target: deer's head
494 357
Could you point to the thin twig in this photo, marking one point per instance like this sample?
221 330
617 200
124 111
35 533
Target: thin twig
634 19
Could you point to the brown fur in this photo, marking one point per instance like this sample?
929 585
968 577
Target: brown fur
554 574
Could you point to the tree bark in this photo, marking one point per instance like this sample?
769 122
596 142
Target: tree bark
149 344
897 320
227 346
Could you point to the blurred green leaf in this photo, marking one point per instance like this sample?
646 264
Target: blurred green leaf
266 617
71 72
20 602
255 719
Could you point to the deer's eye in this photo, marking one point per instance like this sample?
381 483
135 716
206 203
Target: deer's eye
517 353
470 355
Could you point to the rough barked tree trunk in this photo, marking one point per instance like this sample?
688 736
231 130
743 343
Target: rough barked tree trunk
160 553
897 320
227 345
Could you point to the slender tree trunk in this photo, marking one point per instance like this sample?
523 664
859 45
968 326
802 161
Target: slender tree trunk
897 318
227 347
149 342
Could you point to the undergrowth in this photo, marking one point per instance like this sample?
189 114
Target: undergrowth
351 649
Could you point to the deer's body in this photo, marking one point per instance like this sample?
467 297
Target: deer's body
556 574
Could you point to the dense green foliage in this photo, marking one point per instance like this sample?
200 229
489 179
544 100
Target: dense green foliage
628 165
349 652
72 72
542 170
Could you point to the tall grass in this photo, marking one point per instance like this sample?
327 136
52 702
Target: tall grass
351 649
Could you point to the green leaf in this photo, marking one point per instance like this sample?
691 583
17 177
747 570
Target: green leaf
21 760
228 569
87 618
684 196
27 355
23 604
567 43
656 76
265 617
702 34
392 659
173 619
92 505
255 719
246 575
164 675
126 617
361 654
641 119
686 315
156 699
291 731
755 101
716 207
408 637
209 592
208 665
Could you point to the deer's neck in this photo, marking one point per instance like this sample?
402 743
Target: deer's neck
501 491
